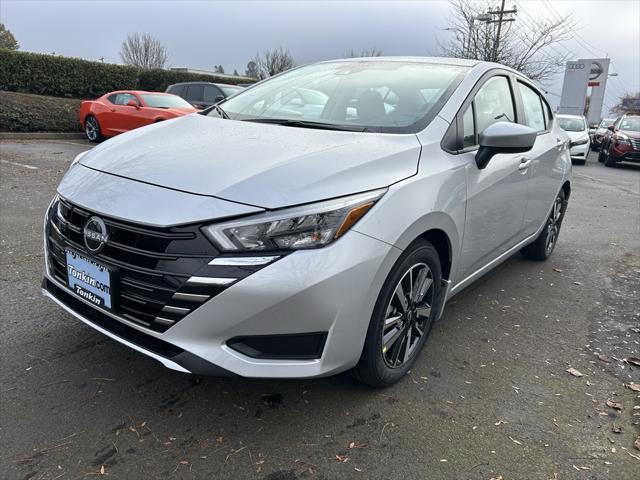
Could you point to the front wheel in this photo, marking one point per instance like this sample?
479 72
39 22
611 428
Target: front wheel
402 317
610 160
543 246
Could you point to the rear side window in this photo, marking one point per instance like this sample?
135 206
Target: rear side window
532 103
194 93
123 98
176 90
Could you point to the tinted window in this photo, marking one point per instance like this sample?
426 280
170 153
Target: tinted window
195 93
123 98
493 103
534 116
210 93
468 128
176 90
112 98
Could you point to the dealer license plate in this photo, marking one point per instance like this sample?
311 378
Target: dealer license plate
89 279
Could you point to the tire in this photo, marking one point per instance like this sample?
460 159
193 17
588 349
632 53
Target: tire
380 365
92 129
543 246
610 160
602 156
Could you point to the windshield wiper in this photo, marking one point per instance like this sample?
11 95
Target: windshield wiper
306 124
219 109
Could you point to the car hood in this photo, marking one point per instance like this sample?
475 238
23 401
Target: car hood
578 135
631 133
269 166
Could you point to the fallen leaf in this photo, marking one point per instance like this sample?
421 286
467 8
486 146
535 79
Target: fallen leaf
443 460
612 404
604 358
499 422
499 477
575 372
515 441
577 283
559 270
356 445
102 470
633 361
342 458
616 429
636 444
633 386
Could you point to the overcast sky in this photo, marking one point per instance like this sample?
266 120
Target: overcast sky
201 34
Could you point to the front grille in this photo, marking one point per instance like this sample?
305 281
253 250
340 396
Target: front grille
152 265
635 143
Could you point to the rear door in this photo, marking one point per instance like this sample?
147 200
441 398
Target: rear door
194 94
547 155
496 195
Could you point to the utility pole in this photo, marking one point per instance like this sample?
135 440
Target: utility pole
487 18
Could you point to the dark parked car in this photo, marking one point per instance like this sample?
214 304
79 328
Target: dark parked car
622 141
203 94
600 133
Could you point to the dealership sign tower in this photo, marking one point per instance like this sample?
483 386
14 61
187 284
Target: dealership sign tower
579 76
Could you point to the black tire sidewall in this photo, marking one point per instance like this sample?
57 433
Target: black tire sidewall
378 373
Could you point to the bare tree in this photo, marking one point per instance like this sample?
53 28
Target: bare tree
144 51
627 103
272 62
365 52
7 40
528 47
252 70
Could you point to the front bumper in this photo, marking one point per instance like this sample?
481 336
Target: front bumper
331 290
580 152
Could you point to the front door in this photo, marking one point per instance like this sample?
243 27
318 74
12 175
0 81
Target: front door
496 195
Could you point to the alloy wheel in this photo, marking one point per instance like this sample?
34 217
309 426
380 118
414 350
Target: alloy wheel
408 315
553 225
91 128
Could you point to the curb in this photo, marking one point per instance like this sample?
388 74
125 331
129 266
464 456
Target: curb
41 136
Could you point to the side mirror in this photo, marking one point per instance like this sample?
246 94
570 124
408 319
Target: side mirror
610 128
133 103
504 137
218 98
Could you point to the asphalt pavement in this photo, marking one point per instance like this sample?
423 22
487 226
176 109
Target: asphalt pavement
490 396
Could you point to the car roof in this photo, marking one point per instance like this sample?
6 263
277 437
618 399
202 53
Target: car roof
203 83
139 92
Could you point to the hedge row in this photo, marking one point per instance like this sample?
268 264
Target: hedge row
72 77
22 112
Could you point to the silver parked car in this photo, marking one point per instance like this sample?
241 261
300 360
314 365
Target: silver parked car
314 223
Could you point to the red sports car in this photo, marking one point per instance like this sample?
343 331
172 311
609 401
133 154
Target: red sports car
120 111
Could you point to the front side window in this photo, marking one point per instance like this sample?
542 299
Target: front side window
494 103
210 93
372 95
532 103
231 90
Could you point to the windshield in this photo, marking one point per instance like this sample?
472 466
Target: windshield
381 96
572 124
630 123
164 101
228 91
606 123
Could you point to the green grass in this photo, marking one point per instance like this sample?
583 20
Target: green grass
23 112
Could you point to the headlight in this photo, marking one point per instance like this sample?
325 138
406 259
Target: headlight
308 226
580 142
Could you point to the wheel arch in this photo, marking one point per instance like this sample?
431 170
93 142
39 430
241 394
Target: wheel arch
440 240
566 186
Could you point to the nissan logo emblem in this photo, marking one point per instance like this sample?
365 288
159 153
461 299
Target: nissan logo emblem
95 234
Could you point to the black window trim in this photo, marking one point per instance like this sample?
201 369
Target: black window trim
548 123
456 130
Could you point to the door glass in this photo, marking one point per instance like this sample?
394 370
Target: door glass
123 98
468 128
534 116
493 103
210 93
195 93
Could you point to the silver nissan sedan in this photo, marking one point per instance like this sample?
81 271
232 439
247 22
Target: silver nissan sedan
316 222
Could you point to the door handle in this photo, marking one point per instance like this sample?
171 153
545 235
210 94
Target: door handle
113 109
524 164
560 143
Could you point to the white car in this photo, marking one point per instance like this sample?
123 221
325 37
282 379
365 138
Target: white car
578 131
